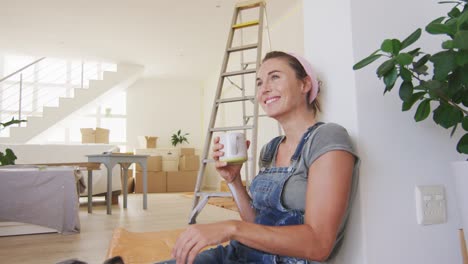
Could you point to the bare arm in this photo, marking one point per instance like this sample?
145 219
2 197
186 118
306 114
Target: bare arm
242 199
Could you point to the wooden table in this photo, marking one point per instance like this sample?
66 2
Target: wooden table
124 160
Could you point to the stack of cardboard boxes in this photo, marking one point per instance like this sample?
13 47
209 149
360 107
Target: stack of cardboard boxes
169 170
185 179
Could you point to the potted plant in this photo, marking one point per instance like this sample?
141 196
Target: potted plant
8 158
443 90
179 138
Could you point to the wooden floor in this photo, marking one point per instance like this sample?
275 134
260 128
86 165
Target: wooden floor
165 211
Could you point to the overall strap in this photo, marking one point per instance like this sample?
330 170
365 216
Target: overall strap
304 139
270 148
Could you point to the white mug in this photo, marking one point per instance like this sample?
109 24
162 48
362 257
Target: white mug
235 148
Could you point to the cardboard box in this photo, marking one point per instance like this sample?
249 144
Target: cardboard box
189 163
187 151
156 182
151 142
181 181
170 163
102 135
130 182
154 163
91 135
87 135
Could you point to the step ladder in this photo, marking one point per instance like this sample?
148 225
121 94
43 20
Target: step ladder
249 121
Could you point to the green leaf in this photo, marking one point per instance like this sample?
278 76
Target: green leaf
392 46
422 61
12 122
444 63
391 78
406 91
405 74
455 12
447 115
396 46
404 59
437 29
411 38
463 75
415 97
448 44
387 46
461 40
385 67
366 61
434 88
414 52
423 110
465 98
461 57
463 18
462 145
437 20
421 70
465 123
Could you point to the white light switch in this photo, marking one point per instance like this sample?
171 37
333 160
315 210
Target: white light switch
430 204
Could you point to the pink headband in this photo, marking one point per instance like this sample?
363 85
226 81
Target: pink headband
308 69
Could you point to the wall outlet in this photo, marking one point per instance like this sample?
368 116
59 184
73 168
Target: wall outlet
431 206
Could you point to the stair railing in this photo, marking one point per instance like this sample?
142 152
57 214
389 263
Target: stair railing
41 83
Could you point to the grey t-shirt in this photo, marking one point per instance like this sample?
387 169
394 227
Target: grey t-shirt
325 138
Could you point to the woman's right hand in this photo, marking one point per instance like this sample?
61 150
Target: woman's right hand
229 172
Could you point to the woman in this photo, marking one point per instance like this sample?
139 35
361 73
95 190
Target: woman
300 200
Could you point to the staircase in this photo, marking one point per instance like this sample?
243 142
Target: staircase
122 78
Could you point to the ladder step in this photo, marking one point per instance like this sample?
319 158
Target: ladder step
218 129
213 161
249 63
250 4
245 47
235 99
214 194
246 24
226 74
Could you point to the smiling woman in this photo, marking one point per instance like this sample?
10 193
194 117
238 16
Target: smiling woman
305 186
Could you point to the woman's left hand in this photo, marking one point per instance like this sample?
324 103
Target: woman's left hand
197 237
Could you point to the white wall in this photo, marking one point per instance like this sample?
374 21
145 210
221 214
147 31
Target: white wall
396 152
159 107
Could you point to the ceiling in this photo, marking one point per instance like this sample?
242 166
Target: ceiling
184 39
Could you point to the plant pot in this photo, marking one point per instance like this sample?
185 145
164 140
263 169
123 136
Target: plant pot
460 174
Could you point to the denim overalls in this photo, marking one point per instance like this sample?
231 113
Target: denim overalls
266 190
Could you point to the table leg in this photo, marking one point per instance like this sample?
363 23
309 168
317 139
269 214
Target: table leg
90 191
124 187
145 188
109 189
